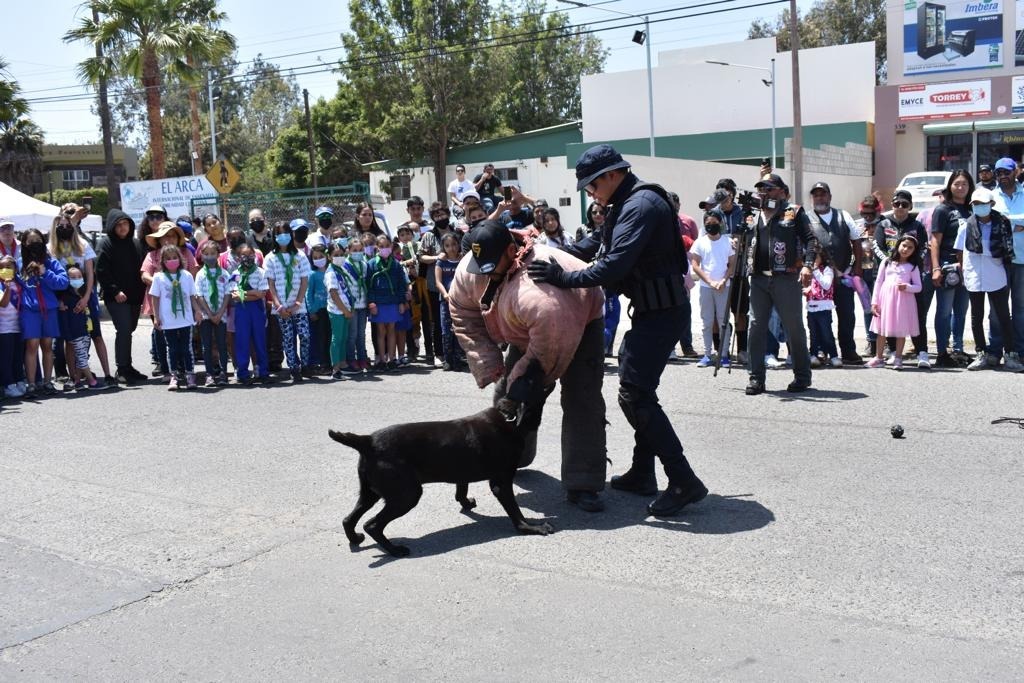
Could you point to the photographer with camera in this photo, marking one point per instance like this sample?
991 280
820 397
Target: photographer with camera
783 245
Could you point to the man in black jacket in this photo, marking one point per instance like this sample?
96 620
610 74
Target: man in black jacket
118 263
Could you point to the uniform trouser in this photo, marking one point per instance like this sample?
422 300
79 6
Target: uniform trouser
783 291
436 342
584 446
842 297
275 350
1015 275
643 355
125 318
714 307
251 338
686 333
210 335
320 338
339 339
1000 303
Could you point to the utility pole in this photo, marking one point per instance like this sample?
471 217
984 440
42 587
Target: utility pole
312 152
113 196
213 122
797 146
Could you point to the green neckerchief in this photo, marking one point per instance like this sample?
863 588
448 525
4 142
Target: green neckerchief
177 298
385 266
358 269
211 277
289 268
243 281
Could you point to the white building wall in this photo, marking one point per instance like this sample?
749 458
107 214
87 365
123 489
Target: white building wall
690 96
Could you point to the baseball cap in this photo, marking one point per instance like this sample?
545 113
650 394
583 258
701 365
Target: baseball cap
471 194
185 223
904 195
821 186
540 204
985 167
5 223
1006 163
487 242
771 181
597 161
156 208
323 211
982 196
298 223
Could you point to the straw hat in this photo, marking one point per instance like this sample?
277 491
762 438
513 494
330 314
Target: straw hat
153 239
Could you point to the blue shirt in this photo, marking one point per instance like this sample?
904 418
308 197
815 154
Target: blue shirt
1013 208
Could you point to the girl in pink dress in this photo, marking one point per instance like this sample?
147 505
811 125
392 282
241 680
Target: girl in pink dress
893 303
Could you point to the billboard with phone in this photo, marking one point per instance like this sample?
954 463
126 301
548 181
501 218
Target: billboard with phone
939 37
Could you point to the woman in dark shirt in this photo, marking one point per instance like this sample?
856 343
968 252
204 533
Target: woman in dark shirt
946 221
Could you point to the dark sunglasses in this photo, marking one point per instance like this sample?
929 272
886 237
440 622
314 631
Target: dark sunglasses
901 205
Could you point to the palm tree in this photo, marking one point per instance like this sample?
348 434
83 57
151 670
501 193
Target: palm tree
144 39
21 140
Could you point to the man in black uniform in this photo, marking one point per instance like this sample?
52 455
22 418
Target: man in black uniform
644 259
780 257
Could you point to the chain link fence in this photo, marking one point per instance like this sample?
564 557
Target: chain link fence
283 205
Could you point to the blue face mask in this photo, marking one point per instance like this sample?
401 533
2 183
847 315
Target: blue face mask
343 241
76 283
284 239
356 256
981 210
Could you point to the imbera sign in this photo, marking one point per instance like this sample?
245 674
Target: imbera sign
936 101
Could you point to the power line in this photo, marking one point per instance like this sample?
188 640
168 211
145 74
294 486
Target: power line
413 54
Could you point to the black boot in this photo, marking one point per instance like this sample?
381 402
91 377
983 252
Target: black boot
678 496
634 481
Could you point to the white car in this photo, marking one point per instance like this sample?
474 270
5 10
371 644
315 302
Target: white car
922 186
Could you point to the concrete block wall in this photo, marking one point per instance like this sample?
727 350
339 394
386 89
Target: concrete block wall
852 159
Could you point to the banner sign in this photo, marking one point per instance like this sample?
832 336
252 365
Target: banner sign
936 101
1017 96
940 37
1019 35
174 194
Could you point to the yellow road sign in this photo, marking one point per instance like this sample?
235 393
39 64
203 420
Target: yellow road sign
223 176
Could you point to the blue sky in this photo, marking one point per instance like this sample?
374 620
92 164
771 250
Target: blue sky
45 66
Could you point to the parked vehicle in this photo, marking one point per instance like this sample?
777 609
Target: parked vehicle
922 186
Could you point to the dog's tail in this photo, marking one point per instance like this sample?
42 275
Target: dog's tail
356 441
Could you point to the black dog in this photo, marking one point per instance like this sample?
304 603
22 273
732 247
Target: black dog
395 462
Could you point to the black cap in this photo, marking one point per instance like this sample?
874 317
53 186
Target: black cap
716 198
770 180
903 194
821 186
985 167
487 242
597 161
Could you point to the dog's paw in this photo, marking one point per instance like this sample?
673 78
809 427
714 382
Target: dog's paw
468 503
541 529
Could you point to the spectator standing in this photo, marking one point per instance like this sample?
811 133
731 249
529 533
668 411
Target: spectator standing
713 259
1009 198
118 271
259 237
893 303
951 297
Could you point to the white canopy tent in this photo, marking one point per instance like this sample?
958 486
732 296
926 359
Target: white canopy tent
28 212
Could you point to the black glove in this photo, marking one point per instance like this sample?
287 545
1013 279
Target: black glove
547 271
528 386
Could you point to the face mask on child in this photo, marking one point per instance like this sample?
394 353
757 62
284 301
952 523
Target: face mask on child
320 262
342 242
284 239
370 250
248 261
210 261
6 274
981 210
385 252
76 283
338 261
172 265
357 256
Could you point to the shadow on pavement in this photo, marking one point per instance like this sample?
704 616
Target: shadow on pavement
716 514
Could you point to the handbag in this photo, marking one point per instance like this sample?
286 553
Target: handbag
951 276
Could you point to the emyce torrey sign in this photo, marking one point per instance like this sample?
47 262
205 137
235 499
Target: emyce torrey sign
955 35
934 101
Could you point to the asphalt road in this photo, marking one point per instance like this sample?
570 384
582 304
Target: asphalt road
146 535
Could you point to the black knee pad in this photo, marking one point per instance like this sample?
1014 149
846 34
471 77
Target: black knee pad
635 406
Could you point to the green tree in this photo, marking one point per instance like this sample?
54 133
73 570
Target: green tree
419 89
542 86
831 22
144 40
21 140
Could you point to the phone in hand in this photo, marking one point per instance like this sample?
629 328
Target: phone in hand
87 202
508 192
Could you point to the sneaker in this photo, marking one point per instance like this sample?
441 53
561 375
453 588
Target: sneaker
960 357
297 376
772 362
190 381
349 370
979 363
851 359
49 389
23 386
446 366
172 383
838 362
672 355
725 362
429 359
308 371
815 362
876 362
754 387
158 371
796 386
675 498
922 361
71 385
109 380
80 385
392 365
211 381
403 361
897 364
30 390
642 484
222 379
588 501
123 377
704 362
337 374
1012 363
992 360
690 352
13 391
100 385
944 360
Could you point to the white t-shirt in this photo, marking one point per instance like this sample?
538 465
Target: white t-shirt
9 323
88 254
257 280
316 237
331 283
714 256
164 288
458 189
274 270
226 282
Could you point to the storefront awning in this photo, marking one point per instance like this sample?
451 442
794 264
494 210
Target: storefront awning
968 126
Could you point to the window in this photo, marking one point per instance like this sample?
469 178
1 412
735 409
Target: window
74 180
401 187
506 174
949 152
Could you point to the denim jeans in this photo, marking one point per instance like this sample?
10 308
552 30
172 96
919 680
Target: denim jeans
357 335
819 324
179 349
686 334
950 316
212 334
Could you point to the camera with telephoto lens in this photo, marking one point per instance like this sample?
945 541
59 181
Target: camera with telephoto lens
748 201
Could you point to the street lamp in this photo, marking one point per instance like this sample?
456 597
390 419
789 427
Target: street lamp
640 38
766 81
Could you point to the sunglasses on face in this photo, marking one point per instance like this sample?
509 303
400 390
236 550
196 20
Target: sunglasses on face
153 216
868 216
901 205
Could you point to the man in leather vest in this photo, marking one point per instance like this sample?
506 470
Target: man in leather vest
838 237
780 258
645 260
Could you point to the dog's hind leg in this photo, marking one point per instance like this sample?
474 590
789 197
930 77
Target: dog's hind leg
502 489
395 505
462 496
367 499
